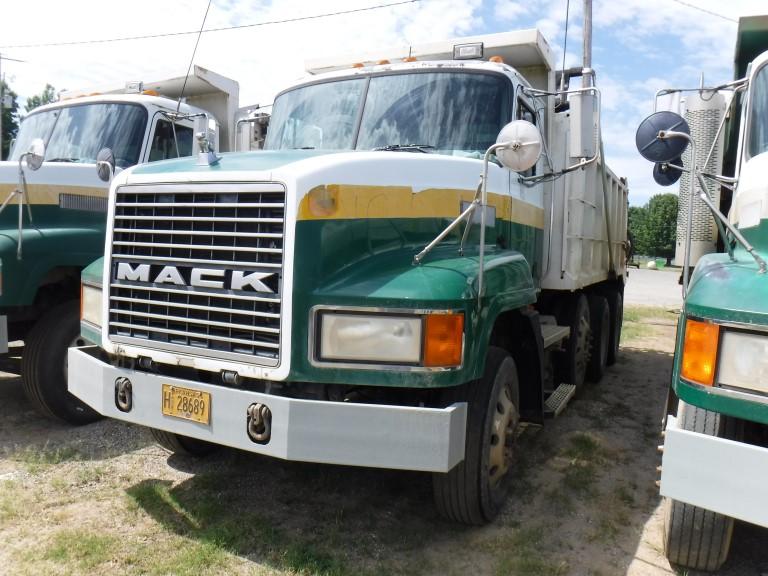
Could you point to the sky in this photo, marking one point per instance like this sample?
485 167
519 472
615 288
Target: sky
639 46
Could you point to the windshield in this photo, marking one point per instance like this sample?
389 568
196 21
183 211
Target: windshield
77 133
758 113
441 112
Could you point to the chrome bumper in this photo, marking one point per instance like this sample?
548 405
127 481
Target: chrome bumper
380 436
715 474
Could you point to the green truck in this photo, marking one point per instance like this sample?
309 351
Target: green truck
376 287
53 217
715 449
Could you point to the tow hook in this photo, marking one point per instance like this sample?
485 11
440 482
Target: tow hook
123 394
259 423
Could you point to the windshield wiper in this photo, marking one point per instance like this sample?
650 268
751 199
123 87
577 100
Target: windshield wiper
63 160
405 148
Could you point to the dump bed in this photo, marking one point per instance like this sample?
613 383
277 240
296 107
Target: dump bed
586 224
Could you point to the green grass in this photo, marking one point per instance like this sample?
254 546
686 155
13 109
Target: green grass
638 321
212 533
38 459
10 501
80 548
521 553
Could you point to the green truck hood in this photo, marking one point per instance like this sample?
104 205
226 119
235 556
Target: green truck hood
264 160
728 291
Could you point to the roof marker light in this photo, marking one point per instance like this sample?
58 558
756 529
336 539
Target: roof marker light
496 59
468 51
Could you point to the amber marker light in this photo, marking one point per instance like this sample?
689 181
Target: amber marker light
496 59
443 339
700 352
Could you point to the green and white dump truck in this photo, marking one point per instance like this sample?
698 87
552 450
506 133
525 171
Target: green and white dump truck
715 450
53 220
351 294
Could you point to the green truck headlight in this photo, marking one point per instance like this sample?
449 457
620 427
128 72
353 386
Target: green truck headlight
370 338
90 304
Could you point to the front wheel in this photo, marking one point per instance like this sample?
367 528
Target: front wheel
44 365
475 489
694 537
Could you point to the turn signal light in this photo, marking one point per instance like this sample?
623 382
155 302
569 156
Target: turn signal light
700 352
443 339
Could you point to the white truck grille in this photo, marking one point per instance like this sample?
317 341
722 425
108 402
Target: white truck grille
201 269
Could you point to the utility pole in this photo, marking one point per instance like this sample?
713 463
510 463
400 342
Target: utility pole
586 79
2 97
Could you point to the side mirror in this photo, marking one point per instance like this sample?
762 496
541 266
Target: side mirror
656 149
105 164
667 173
35 155
518 145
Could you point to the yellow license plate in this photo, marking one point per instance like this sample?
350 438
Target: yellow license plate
187 404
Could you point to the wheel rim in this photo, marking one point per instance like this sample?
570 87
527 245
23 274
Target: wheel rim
501 439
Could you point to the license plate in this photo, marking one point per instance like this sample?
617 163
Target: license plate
187 404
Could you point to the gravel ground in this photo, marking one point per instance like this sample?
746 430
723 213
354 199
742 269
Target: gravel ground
654 288
103 499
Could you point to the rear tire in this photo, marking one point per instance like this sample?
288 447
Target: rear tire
179 444
577 348
44 365
600 321
616 306
475 489
694 537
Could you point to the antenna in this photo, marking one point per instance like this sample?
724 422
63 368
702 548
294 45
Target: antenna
191 60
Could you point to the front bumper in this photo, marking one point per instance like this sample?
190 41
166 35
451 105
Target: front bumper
716 474
379 436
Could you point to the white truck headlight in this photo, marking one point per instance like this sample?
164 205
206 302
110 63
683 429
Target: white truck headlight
430 340
744 361
371 338
90 304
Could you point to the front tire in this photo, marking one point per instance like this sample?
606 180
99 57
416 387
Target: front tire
474 491
44 365
694 537
179 444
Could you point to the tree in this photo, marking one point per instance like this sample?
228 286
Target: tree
661 225
47 96
10 119
637 217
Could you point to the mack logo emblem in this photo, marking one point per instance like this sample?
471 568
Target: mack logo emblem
200 277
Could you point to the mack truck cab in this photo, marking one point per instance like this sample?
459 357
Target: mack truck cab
383 285
54 205
715 449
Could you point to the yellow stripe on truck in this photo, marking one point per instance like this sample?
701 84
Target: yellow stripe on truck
48 194
346 202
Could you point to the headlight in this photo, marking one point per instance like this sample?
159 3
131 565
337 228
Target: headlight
90 304
433 340
744 361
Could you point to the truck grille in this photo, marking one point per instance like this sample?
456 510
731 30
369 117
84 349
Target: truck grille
197 268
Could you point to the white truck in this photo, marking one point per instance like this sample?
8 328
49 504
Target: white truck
351 294
52 224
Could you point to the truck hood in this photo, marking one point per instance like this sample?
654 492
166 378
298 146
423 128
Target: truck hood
263 161
727 291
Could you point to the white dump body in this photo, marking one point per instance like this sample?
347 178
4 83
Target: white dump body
580 217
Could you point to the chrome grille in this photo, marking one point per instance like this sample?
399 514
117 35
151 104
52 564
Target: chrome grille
186 246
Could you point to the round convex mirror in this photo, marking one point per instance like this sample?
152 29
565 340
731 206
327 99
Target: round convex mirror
35 154
665 174
105 164
521 145
653 148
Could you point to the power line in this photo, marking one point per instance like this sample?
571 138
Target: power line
700 9
222 29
